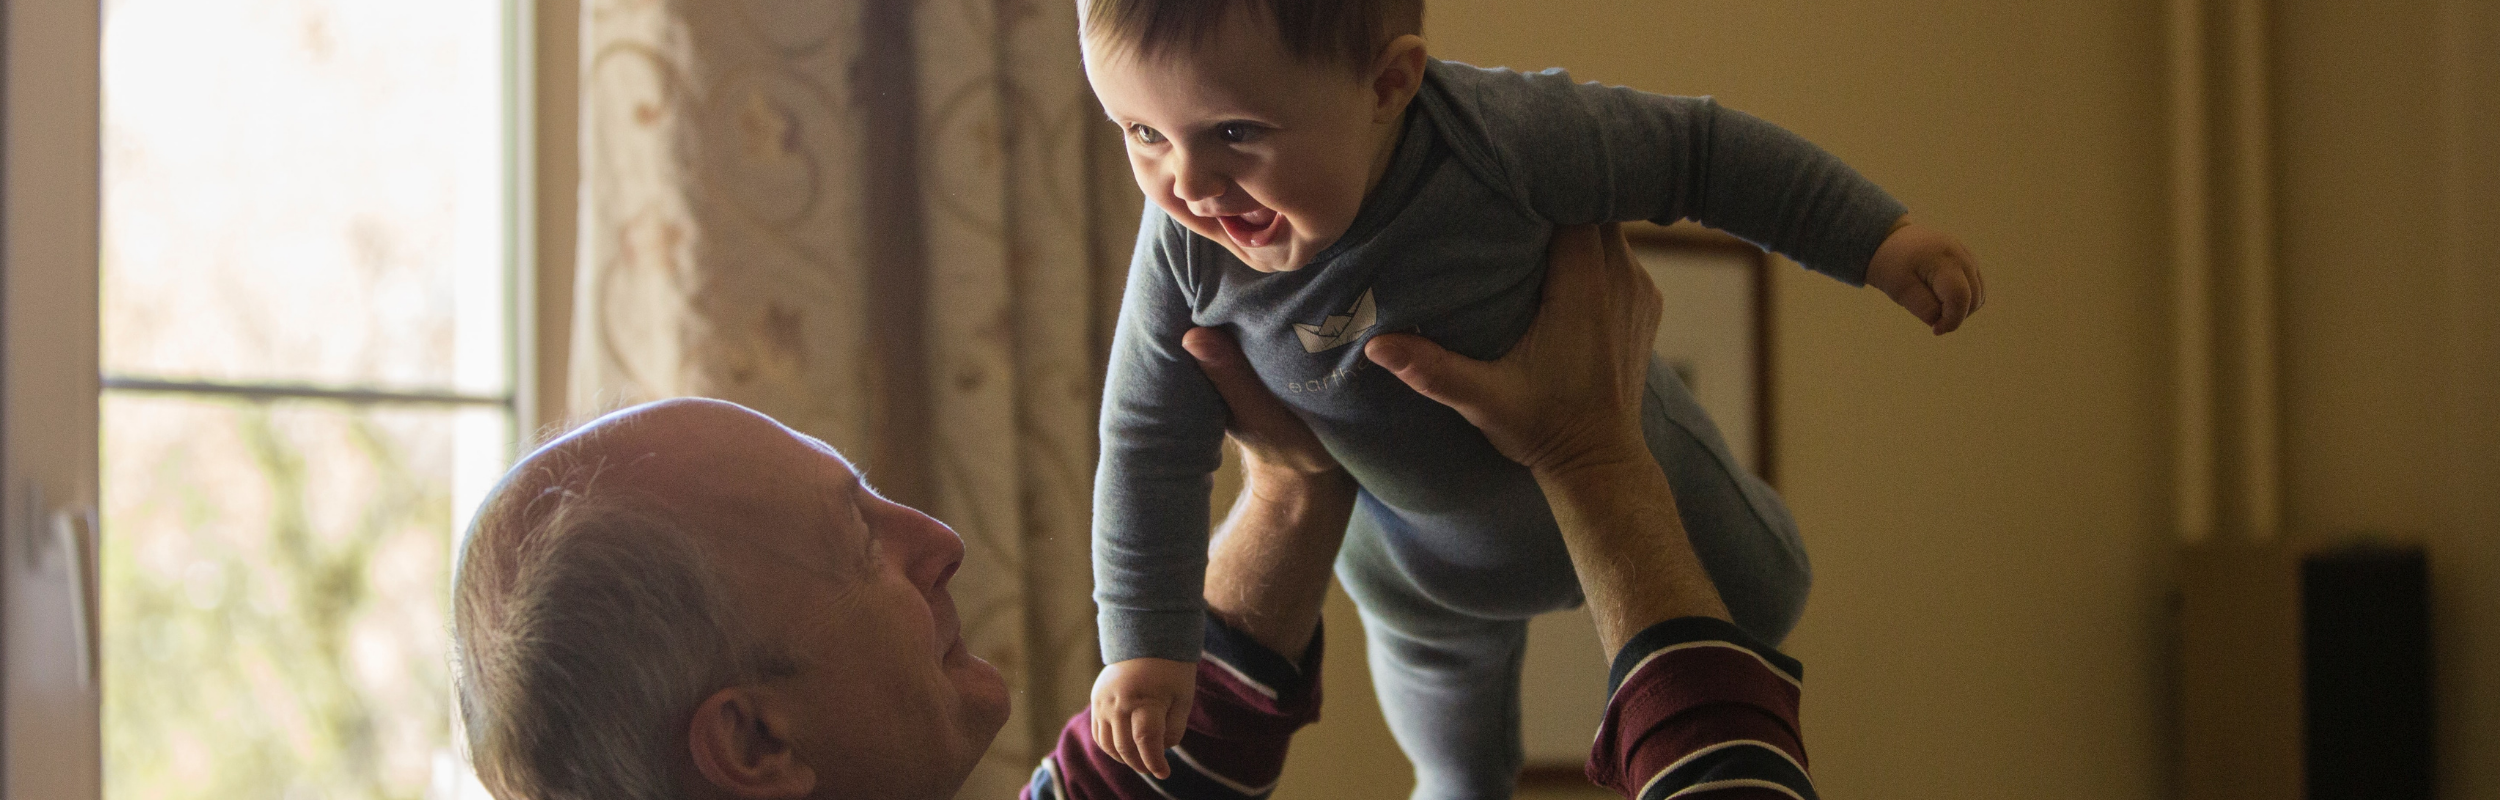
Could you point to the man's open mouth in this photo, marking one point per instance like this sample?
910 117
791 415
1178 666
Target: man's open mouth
1255 229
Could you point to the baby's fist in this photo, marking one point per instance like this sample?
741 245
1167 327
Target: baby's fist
1930 273
1141 707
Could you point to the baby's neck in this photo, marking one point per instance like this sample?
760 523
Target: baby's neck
1384 148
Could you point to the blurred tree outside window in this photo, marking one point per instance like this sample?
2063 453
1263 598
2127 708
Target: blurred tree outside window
309 253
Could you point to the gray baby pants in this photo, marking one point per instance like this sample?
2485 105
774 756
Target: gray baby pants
1446 668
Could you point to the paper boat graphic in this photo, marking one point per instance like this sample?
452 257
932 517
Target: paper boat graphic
1339 330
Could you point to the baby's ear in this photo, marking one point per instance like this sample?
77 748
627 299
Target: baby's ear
1396 76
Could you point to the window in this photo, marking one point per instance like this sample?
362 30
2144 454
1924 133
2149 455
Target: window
309 251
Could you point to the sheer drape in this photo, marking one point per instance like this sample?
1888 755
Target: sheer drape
877 222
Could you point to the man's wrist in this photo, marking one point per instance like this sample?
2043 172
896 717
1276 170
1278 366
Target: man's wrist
1607 462
1604 490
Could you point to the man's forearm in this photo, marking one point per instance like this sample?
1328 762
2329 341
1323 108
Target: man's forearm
1618 520
1696 709
1268 566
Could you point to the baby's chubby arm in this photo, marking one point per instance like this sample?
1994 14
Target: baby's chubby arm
1162 437
1268 567
1586 153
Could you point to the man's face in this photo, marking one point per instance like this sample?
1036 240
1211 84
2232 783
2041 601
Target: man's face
1241 142
852 586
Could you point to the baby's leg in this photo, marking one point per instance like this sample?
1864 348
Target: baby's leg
1448 682
1738 525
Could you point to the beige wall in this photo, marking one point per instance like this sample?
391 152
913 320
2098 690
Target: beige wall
2390 168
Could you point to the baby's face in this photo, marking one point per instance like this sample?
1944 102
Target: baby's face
1243 143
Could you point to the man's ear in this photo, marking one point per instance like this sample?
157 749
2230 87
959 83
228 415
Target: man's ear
740 740
1396 76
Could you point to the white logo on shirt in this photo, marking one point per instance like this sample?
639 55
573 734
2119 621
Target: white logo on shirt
1339 330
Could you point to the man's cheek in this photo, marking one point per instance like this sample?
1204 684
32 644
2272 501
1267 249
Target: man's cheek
941 610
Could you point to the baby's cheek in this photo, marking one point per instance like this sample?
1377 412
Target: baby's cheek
1322 226
1329 203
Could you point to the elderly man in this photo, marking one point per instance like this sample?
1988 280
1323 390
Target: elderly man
687 599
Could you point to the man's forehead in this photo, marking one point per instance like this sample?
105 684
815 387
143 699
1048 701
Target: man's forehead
703 451
844 481
739 477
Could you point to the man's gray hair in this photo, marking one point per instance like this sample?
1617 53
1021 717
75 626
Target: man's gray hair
587 625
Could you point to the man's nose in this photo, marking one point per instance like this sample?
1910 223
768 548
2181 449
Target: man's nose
934 549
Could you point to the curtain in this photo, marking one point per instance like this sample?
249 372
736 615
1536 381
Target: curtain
892 225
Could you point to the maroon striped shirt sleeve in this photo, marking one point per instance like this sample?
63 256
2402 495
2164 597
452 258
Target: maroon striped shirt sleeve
1699 710
1250 702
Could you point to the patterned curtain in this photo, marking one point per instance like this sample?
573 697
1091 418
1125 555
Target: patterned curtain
878 222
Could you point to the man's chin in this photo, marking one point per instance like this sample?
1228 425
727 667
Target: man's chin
982 688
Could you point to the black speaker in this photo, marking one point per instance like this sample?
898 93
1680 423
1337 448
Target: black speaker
2306 672
2366 673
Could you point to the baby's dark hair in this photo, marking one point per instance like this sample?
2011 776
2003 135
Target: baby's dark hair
1340 32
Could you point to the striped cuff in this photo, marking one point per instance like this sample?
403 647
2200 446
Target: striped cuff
1250 701
1689 630
1699 709
1263 671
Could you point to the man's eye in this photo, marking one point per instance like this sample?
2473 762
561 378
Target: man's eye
1237 132
1145 135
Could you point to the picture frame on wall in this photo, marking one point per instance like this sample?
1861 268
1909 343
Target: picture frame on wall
1715 331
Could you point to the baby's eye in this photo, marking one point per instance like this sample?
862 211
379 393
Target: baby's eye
1145 135
1237 132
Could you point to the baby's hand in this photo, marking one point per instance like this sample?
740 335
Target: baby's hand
1930 273
1141 706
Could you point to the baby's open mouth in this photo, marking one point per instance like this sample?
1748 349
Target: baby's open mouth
1255 229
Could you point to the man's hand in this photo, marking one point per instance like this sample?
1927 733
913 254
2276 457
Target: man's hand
1545 404
1930 273
1270 436
1141 707
1566 402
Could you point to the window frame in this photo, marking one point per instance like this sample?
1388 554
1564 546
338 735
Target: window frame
52 384
51 741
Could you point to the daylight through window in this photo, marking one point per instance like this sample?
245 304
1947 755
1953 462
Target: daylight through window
307 273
